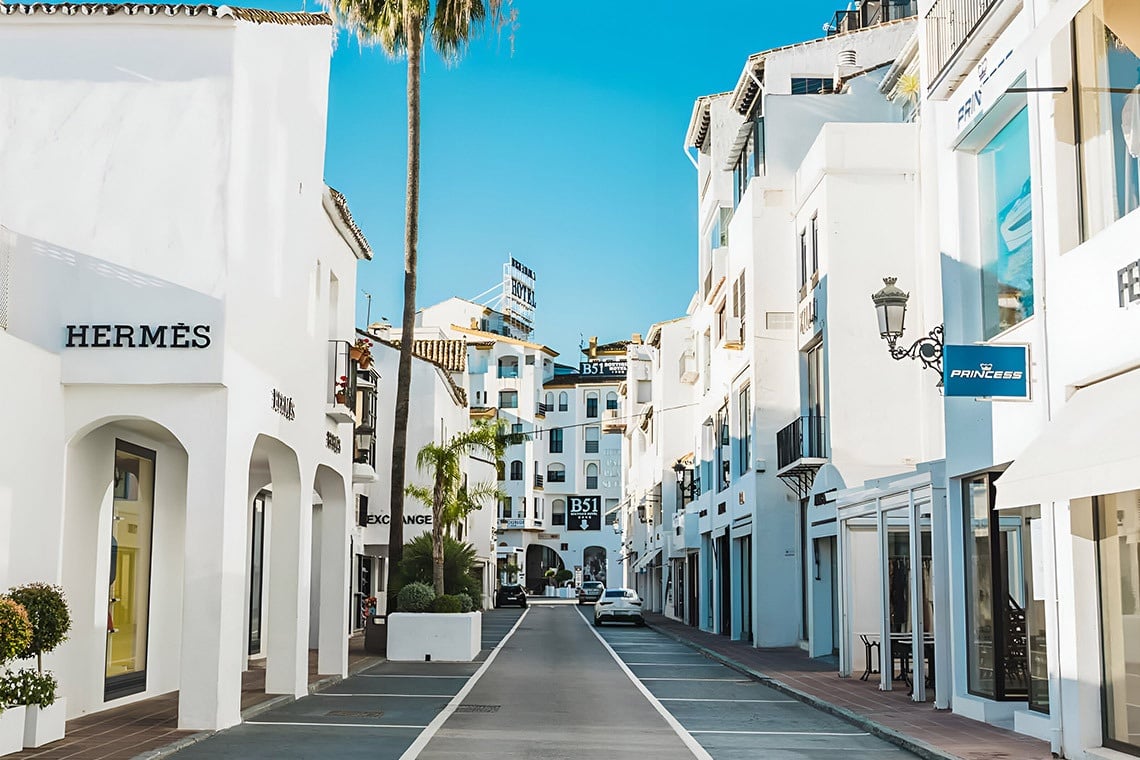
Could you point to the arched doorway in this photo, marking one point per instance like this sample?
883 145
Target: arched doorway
539 559
594 564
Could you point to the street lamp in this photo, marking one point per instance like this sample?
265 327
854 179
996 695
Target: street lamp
890 305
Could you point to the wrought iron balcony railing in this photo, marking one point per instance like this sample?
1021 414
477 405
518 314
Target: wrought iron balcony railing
949 24
805 438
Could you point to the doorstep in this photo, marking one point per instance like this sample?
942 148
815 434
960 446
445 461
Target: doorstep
919 728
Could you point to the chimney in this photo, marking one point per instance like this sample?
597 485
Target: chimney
592 351
636 339
381 330
846 64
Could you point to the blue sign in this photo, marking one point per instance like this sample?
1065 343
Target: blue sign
986 371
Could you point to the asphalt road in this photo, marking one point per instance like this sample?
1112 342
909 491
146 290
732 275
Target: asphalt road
556 688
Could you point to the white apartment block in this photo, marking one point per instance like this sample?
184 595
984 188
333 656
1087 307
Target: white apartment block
175 314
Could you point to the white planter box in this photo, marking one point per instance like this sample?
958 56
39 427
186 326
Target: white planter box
44 725
447 637
11 730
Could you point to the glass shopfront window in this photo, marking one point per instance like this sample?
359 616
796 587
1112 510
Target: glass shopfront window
1118 558
128 598
1108 103
1006 213
1005 621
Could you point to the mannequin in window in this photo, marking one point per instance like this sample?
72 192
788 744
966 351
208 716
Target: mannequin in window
1130 126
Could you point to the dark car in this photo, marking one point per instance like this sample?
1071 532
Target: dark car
590 592
510 595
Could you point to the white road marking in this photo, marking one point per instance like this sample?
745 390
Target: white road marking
432 728
786 733
680 664
394 675
327 725
701 699
432 696
694 746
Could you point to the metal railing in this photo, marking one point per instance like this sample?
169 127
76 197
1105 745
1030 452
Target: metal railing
342 375
949 24
538 480
591 447
805 438
541 409
870 13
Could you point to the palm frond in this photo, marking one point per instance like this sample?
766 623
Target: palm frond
378 22
419 493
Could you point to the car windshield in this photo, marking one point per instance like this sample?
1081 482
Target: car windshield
592 584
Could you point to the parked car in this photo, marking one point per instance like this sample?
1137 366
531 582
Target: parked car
511 594
620 604
590 591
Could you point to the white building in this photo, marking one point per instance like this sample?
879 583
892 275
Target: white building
1029 122
176 303
754 323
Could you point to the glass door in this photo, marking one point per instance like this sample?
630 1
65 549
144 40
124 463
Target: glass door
128 597
257 556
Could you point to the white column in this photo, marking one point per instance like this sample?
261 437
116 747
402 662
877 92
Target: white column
917 632
336 569
290 537
886 667
213 589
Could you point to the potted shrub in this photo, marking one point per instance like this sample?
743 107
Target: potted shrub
361 352
549 575
341 392
15 636
47 611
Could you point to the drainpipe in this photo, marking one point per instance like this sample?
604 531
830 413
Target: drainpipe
688 155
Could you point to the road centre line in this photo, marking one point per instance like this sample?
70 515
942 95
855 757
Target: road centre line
694 746
432 728
327 725
787 733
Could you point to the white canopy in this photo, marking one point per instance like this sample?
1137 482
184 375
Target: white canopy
1092 447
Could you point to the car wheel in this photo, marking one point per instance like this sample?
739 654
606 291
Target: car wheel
640 623
597 622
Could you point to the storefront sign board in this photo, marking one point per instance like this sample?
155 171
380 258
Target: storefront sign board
986 371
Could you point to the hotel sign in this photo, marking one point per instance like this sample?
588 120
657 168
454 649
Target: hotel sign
585 513
986 371
603 368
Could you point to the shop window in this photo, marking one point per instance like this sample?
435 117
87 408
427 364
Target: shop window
1118 562
1005 624
1005 202
1108 93
128 597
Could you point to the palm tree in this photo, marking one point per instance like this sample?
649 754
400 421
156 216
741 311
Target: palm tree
449 496
399 26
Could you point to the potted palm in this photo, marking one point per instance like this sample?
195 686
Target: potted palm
46 713
15 635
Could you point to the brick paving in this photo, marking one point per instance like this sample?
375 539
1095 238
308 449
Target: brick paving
145 727
916 726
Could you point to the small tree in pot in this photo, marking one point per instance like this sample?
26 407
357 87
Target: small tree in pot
50 618
15 635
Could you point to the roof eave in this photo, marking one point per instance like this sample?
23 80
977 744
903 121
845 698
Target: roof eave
336 207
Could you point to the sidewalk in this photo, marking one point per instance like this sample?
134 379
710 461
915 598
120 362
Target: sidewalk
929 733
150 728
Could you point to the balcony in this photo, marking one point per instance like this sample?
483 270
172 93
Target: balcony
340 396
870 13
540 410
613 421
687 367
950 25
801 449
538 482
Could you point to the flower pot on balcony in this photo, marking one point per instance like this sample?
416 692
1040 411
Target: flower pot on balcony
12 730
43 725
340 397
365 361
355 353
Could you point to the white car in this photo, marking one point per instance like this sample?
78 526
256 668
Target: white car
618 604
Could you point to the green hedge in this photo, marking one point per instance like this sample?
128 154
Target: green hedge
415 597
447 603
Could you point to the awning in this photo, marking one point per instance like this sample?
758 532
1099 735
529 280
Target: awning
1090 448
642 563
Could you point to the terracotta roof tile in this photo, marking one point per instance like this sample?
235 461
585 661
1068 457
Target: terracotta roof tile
252 15
341 204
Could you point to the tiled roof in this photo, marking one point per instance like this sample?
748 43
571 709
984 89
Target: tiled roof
618 346
341 204
448 354
567 380
252 15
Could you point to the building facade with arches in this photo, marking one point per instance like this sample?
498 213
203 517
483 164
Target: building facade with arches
177 292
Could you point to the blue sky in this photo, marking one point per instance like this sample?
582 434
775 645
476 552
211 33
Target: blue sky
566 154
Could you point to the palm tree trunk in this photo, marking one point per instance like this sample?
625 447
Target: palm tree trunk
437 536
415 39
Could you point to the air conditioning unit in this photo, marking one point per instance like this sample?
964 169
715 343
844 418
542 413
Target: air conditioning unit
733 334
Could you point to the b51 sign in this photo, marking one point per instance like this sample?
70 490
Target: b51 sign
585 513
986 371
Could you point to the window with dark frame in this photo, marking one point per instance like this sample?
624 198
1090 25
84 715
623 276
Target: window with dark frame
556 440
516 470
